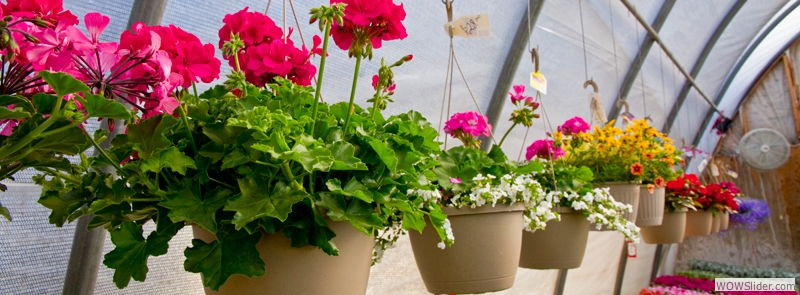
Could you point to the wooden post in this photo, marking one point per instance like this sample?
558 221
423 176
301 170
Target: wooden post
87 246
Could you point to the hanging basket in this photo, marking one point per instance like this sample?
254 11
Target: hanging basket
625 193
671 230
484 256
715 223
725 221
306 270
561 245
698 223
651 207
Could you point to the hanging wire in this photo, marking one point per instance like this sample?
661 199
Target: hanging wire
641 75
614 40
267 10
583 38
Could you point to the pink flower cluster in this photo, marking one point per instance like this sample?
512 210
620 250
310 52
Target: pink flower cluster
266 55
468 123
701 286
372 21
574 126
519 96
670 290
144 69
544 149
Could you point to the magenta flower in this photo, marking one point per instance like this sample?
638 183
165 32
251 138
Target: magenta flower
574 126
375 79
49 10
455 180
470 123
372 21
518 95
544 149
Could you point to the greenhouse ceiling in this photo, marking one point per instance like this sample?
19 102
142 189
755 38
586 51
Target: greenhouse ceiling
725 44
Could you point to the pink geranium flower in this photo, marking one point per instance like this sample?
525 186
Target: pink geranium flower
544 149
372 21
470 123
49 10
518 94
574 126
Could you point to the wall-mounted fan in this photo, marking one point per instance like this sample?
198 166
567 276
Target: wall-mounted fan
764 149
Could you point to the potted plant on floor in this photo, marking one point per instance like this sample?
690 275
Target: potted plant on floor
262 170
42 112
484 196
679 198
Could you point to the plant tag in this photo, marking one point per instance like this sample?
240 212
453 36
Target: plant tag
714 170
732 173
631 250
702 165
470 26
539 82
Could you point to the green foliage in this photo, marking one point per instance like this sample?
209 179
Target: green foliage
242 166
739 271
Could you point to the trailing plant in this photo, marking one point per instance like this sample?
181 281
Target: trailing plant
751 213
259 155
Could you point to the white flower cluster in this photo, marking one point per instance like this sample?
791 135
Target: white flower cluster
448 230
509 190
428 196
598 205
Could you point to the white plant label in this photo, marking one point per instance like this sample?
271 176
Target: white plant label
470 26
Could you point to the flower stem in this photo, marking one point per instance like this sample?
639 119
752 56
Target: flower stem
352 94
319 76
55 115
507 132
239 69
105 156
188 130
375 102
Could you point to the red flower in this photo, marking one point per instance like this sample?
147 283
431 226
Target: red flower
49 10
637 169
372 21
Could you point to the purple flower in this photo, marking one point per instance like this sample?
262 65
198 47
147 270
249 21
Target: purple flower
751 212
455 180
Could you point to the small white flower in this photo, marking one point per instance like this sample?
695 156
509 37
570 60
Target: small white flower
441 245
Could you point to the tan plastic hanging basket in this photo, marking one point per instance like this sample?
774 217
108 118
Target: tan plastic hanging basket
715 223
725 221
307 270
561 245
671 230
698 223
625 193
484 256
651 207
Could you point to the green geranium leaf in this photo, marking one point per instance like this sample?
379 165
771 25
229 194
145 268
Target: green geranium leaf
359 213
213 151
62 205
148 135
44 103
256 201
235 158
306 228
531 167
405 155
185 204
353 188
70 141
15 114
233 253
4 212
17 101
276 146
220 133
63 83
170 158
385 153
413 220
437 218
101 107
344 157
129 257
316 159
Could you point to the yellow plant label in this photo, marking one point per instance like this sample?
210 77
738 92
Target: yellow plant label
539 82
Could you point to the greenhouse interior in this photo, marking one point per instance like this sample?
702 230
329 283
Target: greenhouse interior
453 147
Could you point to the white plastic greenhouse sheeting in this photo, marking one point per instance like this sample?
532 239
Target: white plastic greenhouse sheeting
558 36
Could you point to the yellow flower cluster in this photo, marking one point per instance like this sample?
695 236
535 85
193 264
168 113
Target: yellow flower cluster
639 152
